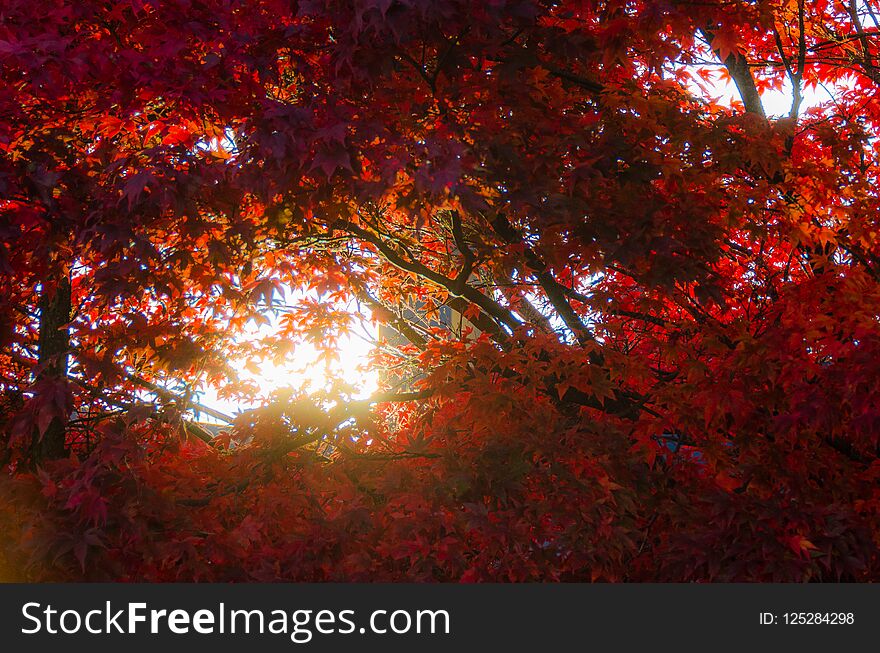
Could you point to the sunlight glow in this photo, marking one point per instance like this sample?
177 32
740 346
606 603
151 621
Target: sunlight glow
305 370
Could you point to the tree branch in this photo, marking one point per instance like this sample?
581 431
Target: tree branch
488 305
738 68
167 395
554 290
396 322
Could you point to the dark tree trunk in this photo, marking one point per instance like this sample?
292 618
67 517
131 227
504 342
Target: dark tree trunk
53 347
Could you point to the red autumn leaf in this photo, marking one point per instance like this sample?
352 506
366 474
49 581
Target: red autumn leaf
627 309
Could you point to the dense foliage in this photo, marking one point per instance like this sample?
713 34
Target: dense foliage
667 366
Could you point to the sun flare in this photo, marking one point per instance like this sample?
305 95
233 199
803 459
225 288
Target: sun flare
307 368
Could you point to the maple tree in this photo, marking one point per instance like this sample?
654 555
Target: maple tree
667 369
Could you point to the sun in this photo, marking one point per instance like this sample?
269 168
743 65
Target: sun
308 372
304 369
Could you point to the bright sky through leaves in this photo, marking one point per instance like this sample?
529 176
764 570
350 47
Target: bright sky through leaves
305 369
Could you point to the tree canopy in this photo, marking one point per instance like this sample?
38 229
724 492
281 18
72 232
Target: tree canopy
668 360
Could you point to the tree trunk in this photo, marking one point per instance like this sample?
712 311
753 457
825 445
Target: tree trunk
53 347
